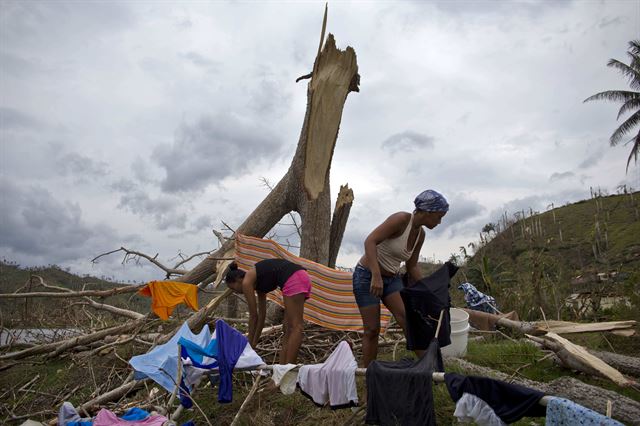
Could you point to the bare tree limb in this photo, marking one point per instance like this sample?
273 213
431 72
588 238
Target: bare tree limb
136 254
221 238
182 262
71 293
294 223
109 308
304 77
244 405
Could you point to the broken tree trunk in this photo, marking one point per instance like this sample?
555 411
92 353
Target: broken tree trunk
305 186
339 222
578 358
624 409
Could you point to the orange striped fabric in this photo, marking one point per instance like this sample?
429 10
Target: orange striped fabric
332 303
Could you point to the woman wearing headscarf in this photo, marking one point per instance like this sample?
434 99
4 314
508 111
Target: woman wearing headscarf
376 277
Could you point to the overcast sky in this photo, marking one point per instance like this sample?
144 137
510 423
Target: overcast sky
145 124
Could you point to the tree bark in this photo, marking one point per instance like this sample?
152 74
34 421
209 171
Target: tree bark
339 222
625 364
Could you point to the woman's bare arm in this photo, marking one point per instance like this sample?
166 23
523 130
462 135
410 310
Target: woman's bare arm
248 289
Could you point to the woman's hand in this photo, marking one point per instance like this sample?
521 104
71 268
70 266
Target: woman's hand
376 285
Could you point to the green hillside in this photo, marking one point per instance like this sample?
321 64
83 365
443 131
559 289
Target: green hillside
590 248
54 312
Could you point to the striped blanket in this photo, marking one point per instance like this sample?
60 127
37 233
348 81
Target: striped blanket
332 304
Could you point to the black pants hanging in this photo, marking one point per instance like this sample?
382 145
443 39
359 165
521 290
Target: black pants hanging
399 392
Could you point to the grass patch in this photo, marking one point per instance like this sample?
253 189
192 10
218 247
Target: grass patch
525 360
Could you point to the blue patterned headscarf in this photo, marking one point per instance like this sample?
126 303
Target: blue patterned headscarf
431 201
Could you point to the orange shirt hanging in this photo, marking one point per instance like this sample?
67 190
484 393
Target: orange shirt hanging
166 295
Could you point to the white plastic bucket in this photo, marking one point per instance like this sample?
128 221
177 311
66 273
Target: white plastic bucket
459 333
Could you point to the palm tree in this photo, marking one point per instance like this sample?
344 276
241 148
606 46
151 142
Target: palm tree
630 99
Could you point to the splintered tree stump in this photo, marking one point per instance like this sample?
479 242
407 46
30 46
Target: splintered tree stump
339 222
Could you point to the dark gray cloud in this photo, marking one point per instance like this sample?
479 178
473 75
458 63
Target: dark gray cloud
197 226
459 220
531 203
591 160
407 141
15 65
81 166
200 61
42 228
560 176
184 24
166 212
211 149
123 185
202 222
537 203
605 22
27 21
269 96
141 170
353 241
464 118
12 119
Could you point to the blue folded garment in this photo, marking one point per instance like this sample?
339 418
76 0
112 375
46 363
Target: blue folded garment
562 412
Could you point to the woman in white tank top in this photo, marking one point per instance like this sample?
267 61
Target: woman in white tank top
376 277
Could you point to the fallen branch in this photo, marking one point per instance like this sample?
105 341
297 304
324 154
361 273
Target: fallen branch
110 308
578 358
244 405
71 293
107 346
112 395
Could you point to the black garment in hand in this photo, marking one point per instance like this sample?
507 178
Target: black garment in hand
423 302
399 392
509 401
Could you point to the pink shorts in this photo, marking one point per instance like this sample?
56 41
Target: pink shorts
298 283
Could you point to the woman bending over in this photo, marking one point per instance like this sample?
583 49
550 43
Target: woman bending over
266 276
